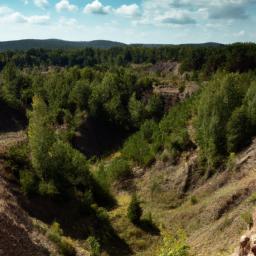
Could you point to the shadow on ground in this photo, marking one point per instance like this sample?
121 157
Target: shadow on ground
77 222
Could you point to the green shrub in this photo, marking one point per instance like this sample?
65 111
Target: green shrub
28 182
134 210
231 162
66 247
138 150
174 245
94 246
47 189
193 200
55 234
118 169
18 158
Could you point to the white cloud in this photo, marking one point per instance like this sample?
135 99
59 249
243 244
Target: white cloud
10 16
96 7
70 22
38 19
128 10
183 12
240 33
178 17
65 5
5 10
41 3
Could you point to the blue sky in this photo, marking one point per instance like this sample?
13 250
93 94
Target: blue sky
130 21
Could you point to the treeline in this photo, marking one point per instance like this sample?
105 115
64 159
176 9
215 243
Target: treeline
225 120
238 57
119 97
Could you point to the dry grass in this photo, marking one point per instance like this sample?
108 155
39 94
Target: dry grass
214 223
7 140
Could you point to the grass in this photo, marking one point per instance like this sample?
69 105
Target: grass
211 217
140 241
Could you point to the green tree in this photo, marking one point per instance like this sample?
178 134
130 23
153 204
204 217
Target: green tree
217 103
238 130
250 104
41 136
14 84
137 110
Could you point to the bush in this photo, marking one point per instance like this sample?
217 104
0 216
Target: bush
231 162
66 247
134 210
28 182
174 245
173 133
55 234
94 246
118 169
18 158
47 189
138 150
193 200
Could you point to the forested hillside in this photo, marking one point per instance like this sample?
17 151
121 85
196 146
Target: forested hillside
28 44
130 150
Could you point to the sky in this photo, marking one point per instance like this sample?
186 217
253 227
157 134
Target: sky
130 21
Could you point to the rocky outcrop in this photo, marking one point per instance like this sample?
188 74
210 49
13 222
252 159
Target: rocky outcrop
247 245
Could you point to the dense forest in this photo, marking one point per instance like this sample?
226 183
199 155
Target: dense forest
92 117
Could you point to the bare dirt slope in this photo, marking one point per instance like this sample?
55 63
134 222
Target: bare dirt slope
214 220
17 235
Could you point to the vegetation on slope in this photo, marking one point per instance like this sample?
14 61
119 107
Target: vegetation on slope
216 123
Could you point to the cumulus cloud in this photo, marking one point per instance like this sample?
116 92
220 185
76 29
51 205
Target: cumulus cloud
128 10
5 10
179 18
10 16
96 7
65 5
184 12
41 3
161 13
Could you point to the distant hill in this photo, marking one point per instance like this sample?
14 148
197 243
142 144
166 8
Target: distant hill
27 44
